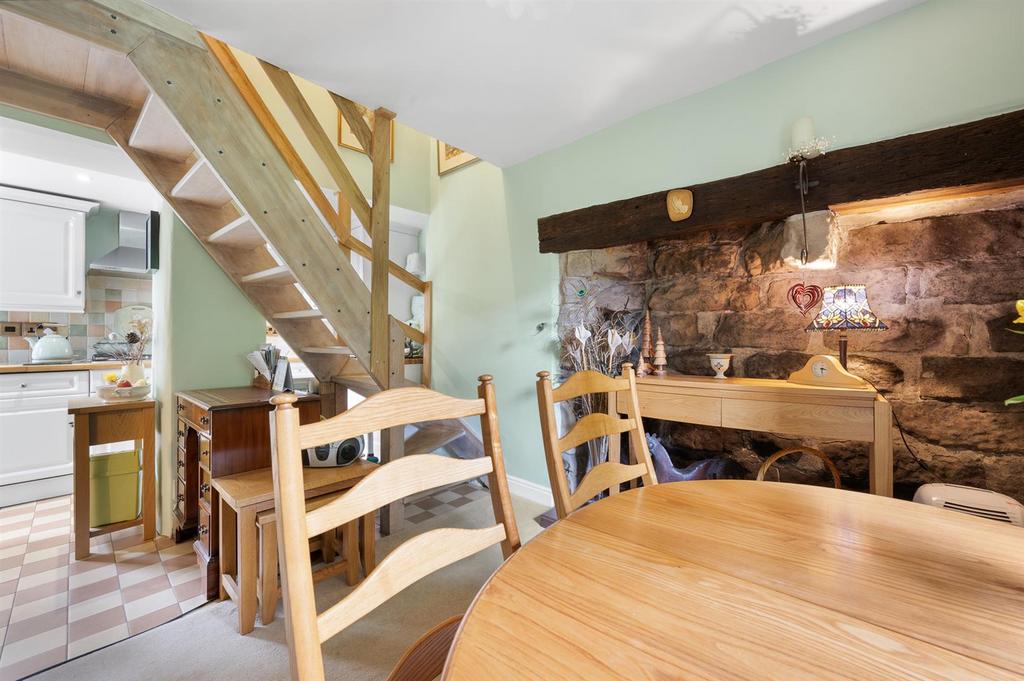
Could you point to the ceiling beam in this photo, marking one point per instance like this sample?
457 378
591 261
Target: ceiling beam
40 96
984 151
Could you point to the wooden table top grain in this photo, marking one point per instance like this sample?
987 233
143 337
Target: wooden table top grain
735 579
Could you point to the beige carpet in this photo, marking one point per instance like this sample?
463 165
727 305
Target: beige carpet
205 644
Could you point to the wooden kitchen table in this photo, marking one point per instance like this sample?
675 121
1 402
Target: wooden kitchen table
735 579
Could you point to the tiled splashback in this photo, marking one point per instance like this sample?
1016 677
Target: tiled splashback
104 296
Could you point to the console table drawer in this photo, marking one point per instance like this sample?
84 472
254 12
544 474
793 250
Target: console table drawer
799 418
704 411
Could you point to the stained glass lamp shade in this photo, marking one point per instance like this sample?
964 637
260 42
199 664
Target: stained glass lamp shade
845 308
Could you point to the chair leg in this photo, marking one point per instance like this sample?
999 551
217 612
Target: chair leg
269 587
350 545
328 547
368 542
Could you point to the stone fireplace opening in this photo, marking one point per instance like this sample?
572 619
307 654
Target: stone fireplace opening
942 274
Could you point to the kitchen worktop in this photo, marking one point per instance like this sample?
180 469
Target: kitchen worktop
83 365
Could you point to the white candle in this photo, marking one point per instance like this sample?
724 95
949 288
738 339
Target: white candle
802 134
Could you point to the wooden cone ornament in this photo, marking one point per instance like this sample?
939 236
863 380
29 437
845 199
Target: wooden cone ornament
660 360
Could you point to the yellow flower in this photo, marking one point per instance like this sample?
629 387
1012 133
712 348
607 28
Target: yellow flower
1020 311
110 377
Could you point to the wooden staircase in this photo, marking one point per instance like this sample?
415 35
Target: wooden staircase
207 142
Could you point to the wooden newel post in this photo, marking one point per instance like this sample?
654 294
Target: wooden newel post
292 535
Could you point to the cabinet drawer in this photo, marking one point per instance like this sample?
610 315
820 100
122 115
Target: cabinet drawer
44 384
205 489
204 452
194 414
180 499
182 433
847 423
701 410
205 529
181 463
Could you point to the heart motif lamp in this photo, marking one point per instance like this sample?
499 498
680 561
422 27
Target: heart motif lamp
845 308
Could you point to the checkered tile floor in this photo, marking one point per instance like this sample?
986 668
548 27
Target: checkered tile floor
54 608
444 500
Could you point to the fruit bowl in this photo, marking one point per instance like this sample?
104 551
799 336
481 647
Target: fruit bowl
111 393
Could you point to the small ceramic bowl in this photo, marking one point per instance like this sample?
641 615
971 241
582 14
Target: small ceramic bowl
111 393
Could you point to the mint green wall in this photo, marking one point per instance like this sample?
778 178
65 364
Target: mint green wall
205 328
940 63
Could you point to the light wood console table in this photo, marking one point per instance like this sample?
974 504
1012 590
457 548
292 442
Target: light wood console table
777 406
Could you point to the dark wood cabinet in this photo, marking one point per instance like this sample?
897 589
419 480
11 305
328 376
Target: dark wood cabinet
220 431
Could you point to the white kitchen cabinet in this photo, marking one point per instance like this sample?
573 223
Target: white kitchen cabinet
42 251
36 434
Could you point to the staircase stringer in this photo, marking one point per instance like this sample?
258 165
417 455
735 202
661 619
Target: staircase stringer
219 122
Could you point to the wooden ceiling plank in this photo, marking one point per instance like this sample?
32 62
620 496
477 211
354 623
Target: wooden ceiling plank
985 151
318 138
32 94
3 45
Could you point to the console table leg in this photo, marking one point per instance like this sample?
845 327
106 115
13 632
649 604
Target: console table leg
880 462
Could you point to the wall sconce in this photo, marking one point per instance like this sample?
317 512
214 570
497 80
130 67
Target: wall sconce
804 145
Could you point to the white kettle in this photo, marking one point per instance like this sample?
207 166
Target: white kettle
49 346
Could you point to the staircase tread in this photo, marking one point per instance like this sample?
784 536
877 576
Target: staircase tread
278 274
311 313
239 233
328 349
431 437
201 185
157 132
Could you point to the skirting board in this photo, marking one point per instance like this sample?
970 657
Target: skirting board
531 491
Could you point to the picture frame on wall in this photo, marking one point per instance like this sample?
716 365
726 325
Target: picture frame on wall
348 139
449 158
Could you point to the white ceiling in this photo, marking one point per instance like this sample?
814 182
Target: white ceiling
509 79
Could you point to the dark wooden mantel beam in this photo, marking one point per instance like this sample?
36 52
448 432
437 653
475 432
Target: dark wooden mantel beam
985 151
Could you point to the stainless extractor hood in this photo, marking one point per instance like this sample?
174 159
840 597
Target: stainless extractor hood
137 252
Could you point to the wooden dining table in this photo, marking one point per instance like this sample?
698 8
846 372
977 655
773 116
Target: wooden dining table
736 579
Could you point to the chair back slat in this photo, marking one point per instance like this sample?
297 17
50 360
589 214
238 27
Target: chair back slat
587 383
388 409
410 562
397 480
591 427
609 475
602 477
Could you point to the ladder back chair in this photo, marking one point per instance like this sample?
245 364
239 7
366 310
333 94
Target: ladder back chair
609 475
414 559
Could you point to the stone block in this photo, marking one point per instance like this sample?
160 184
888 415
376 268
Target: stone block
974 283
689 362
715 259
971 379
1004 474
903 335
771 330
678 329
885 287
984 428
774 364
577 264
885 376
705 294
952 237
1000 338
622 262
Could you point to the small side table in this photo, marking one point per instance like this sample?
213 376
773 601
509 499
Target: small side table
98 423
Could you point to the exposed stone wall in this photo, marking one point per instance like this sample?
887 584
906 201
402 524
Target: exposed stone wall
945 287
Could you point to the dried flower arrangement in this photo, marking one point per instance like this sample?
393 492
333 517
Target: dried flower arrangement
595 339
130 348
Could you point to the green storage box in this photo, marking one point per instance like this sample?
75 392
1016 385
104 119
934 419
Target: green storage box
115 493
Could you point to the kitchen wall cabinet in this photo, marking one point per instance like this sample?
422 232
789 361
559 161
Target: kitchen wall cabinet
42 251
